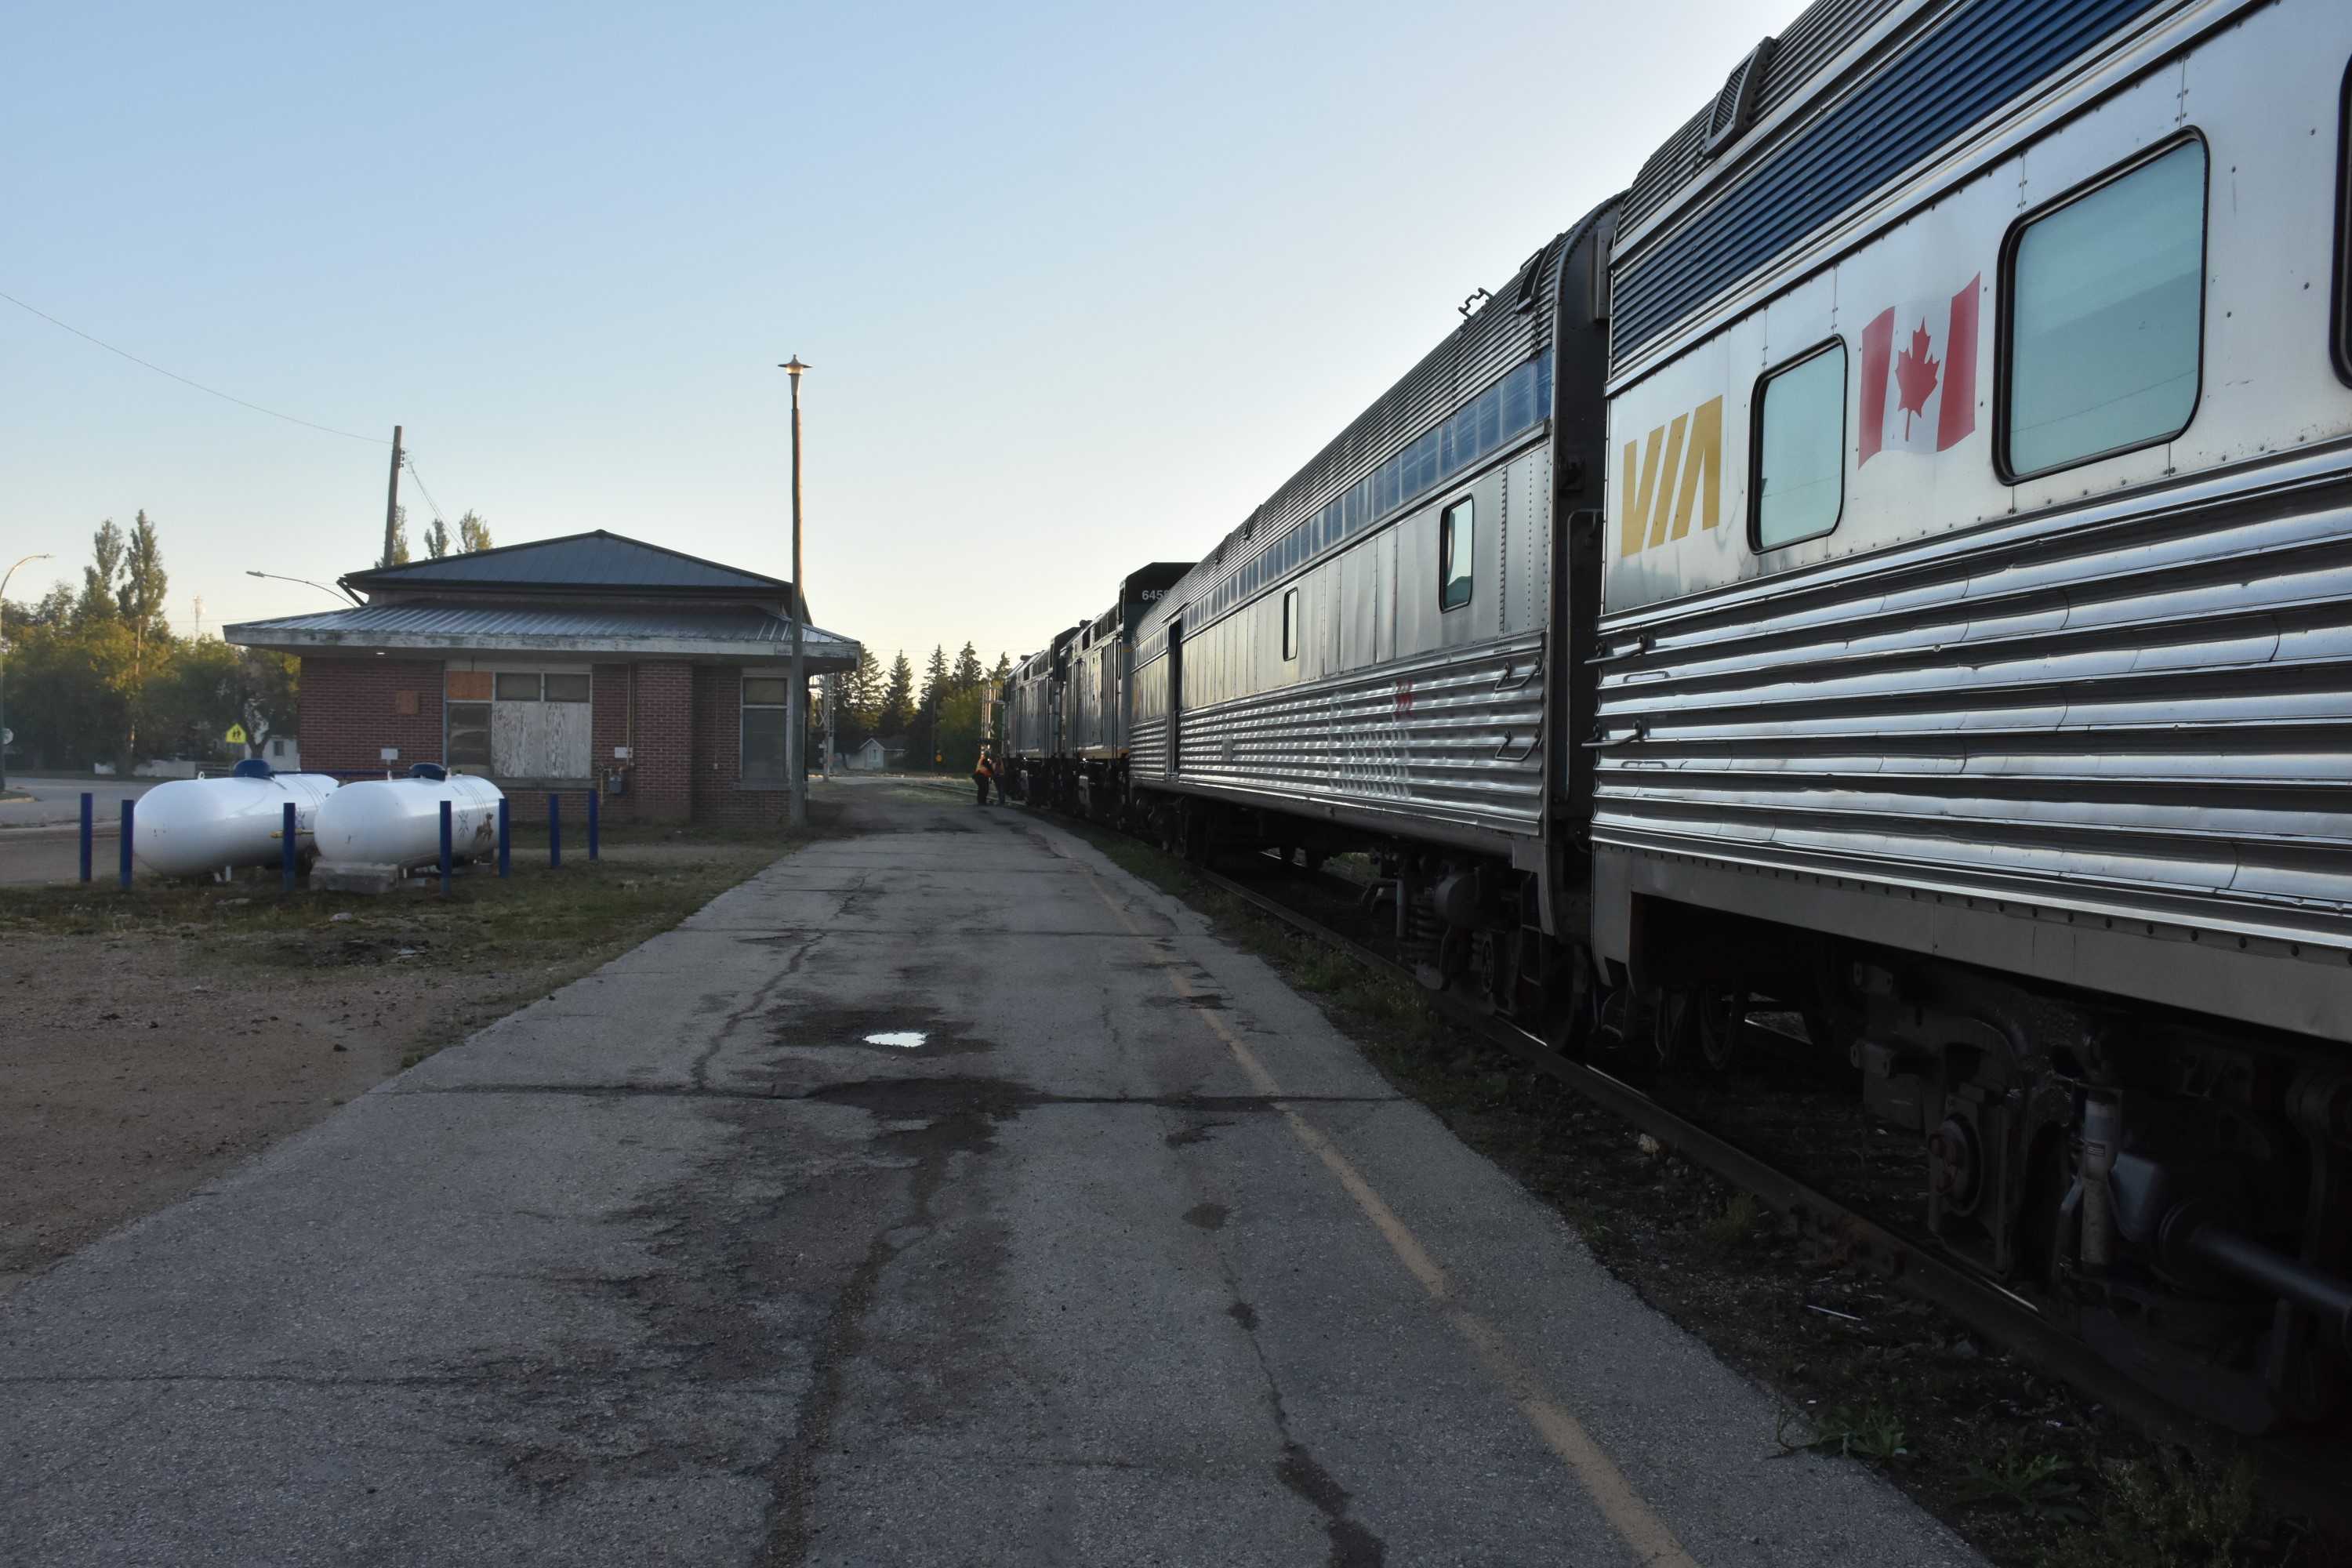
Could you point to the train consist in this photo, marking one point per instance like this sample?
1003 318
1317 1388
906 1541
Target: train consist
1894 565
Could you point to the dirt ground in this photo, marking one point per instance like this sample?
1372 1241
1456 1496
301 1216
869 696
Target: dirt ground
153 1041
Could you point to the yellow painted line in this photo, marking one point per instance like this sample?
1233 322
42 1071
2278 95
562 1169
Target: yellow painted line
1627 1511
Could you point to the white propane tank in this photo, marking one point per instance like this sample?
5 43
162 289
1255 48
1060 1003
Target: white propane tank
397 822
190 826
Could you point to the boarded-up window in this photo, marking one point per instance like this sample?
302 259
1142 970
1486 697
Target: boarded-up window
404 703
533 726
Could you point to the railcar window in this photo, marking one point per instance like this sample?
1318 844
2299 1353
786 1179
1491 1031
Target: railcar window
1290 624
766 726
2106 302
1800 482
1455 542
2343 322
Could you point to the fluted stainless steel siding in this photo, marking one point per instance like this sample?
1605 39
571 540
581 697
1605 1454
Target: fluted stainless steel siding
1450 736
2141 710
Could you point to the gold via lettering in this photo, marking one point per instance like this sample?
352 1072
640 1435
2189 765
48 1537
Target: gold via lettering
1690 479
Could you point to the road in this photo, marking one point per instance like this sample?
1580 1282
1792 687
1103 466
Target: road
941 1196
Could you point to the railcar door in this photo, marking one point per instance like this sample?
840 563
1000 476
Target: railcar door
1175 691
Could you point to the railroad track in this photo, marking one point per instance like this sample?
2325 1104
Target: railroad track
2304 1476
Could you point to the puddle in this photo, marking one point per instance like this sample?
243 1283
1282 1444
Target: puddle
903 1028
905 1039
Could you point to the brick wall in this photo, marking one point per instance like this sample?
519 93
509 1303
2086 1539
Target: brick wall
661 781
719 754
350 712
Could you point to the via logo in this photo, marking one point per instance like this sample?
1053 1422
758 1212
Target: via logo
1681 472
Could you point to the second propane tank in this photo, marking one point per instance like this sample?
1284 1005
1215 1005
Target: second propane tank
397 822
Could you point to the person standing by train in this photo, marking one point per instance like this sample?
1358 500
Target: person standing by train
982 772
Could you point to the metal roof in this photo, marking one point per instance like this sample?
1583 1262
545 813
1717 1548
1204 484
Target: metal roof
578 561
730 631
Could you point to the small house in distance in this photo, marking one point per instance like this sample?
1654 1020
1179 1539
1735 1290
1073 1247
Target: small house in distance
587 662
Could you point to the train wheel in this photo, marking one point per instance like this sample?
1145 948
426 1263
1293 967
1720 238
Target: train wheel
1721 1018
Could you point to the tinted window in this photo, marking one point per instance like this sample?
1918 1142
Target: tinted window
1800 449
764 693
2344 232
567 688
517 689
764 729
2106 304
1455 540
469 734
1290 624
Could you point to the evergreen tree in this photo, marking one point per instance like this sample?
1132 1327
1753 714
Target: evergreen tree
968 672
436 539
897 703
473 533
861 697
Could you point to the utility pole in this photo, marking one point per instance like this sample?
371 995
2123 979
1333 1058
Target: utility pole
391 499
797 758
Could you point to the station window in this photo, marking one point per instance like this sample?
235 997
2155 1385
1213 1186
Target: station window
766 723
1456 538
1290 624
2105 332
1800 479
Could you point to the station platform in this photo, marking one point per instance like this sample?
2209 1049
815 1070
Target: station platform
943 1195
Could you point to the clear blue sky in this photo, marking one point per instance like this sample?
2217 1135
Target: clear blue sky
1081 284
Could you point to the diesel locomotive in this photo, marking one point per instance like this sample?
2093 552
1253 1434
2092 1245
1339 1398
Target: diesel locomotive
1892 566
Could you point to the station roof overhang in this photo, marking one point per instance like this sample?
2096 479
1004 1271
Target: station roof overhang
712 633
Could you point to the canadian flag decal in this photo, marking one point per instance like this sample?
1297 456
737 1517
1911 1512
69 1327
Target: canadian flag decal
1919 376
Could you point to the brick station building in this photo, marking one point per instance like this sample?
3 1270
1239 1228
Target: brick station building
590 662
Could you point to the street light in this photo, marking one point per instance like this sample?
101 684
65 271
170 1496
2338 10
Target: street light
796 743
3 656
274 577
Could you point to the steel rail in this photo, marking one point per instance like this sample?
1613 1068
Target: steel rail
2296 1475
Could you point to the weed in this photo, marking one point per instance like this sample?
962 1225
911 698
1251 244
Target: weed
2040 1486
1735 1224
1876 1435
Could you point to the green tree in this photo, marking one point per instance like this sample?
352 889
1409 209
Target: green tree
100 579
968 673
473 533
399 539
897 706
140 600
436 539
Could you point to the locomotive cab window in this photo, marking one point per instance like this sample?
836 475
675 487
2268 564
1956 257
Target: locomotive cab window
1455 540
1800 479
1290 624
2103 336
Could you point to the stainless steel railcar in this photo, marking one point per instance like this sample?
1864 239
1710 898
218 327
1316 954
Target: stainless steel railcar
1079 761
1894 565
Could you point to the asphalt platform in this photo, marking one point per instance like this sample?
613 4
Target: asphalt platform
941 1196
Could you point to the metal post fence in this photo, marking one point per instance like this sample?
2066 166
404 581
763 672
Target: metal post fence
506 837
126 845
592 822
88 803
447 847
554 831
288 850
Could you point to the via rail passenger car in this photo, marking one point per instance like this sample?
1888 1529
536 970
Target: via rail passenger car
1894 564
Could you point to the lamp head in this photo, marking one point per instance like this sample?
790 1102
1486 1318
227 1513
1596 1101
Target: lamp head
794 367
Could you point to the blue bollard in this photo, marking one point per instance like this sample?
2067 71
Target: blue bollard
88 803
554 831
447 847
290 849
592 822
506 838
126 845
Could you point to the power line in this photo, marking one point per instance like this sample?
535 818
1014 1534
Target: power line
410 464
200 386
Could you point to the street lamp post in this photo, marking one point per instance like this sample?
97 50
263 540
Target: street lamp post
796 717
276 577
4 657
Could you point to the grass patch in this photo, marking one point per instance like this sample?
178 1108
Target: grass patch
2018 1464
521 937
